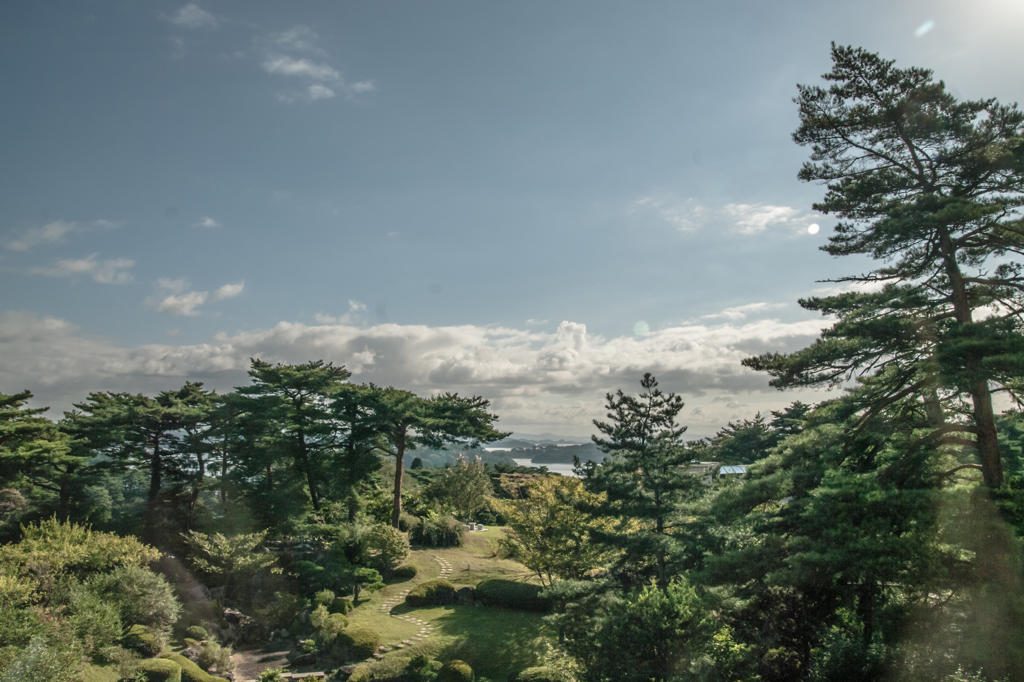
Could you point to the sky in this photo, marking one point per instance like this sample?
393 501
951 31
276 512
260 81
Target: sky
530 201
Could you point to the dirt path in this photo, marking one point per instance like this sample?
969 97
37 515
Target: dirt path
249 664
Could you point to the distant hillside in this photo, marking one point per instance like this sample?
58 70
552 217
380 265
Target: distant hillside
556 454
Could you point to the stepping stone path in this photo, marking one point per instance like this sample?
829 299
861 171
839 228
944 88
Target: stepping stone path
425 628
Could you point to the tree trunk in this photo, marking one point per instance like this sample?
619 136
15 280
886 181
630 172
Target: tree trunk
224 476
981 396
399 456
196 487
310 480
155 482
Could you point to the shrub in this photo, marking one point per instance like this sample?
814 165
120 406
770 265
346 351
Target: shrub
430 593
455 671
324 597
190 672
406 572
422 668
143 597
319 616
160 670
140 640
444 531
341 605
214 656
96 622
196 632
512 594
357 643
331 628
387 547
270 675
540 674
407 521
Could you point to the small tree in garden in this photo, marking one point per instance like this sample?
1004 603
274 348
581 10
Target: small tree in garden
388 547
228 557
464 487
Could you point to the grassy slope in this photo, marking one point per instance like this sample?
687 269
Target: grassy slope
496 642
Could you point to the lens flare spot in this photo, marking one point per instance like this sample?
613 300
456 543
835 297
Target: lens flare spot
609 351
924 28
641 328
813 228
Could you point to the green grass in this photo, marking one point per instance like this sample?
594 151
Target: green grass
494 641
95 673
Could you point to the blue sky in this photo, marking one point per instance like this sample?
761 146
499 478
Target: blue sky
535 202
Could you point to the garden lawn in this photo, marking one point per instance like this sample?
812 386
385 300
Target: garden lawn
494 641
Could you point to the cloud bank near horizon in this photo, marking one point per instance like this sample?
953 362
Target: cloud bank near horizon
533 378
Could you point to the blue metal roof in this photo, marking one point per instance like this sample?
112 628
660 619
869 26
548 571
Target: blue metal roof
734 469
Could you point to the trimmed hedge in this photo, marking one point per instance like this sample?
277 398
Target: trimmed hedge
341 605
512 594
405 572
455 671
160 670
143 642
196 632
357 643
431 593
190 672
445 531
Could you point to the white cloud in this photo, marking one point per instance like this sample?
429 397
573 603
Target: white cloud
289 66
311 94
298 39
532 377
55 232
355 308
192 16
362 87
113 271
180 304
741 311
174 285
228 291
754 218
207 221
689 215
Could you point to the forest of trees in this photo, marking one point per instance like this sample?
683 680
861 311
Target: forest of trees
877 534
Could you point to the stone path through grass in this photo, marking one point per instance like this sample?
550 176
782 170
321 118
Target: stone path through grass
425 628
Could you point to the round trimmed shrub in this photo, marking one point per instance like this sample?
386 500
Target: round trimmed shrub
455 671
406 572
325 597
512 594
160 670
196 632
143 642
445 531
430 593
357 643
190 672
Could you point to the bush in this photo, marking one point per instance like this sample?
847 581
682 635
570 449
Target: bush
331 628
96 622
341 605
357 643
325 597
422 668
214 656
190 672
387 547
430 593
160 670
406 572
143 597
407 521
440 532
540 674
196 632
140 640
455 671
270 675
512 594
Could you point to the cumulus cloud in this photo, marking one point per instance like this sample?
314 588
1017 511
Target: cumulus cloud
113 271
55 232
298 39
689 215
192 16
228 291
532 377
207 221
289 66
174 300
323 80
741 311
355 309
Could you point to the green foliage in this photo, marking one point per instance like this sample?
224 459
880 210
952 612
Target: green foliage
139 639
95 620
439 531
405 572
357 643
341 605
36 648
455 671
160 670
540 674
190 672
387 548
143 597
464 487
324 597
196 632
228 558
430 593
512 594
213 656
270 675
